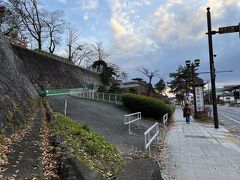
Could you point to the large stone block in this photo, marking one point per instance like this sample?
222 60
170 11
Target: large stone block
73 169
140 169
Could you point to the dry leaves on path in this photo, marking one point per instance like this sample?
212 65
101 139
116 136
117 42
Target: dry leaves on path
49 159
6 143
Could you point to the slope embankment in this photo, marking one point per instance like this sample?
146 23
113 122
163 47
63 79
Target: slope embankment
16 90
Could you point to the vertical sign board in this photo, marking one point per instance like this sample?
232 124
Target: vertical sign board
199 98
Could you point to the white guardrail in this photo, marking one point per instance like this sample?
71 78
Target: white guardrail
148 139
165 118
130 118
112 98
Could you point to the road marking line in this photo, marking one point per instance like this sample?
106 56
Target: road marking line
229 118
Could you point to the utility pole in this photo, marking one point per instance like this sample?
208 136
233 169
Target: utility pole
221 30
212 69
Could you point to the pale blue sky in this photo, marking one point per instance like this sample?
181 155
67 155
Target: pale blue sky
158 34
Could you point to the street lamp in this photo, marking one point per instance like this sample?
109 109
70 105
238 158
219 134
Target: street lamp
192 66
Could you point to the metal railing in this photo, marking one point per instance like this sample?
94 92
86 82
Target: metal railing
148 139
84 93
165 118
106 97
55 92
130 118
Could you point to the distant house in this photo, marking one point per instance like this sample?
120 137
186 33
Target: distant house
137 85
227 97
228 94
231 94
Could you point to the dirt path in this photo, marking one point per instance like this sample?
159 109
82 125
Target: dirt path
24 159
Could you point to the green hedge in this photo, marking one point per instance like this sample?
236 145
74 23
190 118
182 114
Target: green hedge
150 107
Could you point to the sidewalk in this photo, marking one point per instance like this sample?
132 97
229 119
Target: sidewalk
199 152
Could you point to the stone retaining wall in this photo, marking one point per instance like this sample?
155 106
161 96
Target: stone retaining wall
46 72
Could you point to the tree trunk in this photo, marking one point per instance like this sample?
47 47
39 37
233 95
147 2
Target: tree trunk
39 45
52 46
149 85
69 53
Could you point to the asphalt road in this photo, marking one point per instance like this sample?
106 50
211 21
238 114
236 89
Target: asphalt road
230 118
105 119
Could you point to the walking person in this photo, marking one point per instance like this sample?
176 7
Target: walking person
187 112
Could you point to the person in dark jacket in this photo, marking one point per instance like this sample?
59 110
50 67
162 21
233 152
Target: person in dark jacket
187 112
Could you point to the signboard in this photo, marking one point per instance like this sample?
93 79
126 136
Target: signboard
229 29
186 94
91 86
199 98
187 97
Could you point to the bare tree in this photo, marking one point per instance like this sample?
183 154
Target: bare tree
8 20
100 57
73 36
55 23
11 24
149 74
116 69
31 16
83 52
123 76
119 75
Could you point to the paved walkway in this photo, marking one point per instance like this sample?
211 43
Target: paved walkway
196 151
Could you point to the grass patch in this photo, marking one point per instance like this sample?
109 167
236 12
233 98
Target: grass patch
87 146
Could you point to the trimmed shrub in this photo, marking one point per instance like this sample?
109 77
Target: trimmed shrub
150 107
133 91
102 88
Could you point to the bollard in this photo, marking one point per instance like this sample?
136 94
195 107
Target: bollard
65 107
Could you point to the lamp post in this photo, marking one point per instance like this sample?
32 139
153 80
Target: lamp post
192 66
